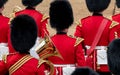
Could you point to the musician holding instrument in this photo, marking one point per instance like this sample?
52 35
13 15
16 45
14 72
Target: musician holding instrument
61 18
40 19
23 36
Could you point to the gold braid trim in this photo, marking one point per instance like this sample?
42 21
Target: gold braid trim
78 41
19 63
113 24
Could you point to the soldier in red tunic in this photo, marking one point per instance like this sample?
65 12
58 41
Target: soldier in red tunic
4 27
23 36
113 56
61 18
88 29
40 19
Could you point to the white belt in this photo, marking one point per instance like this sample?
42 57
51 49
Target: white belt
97 47
64 65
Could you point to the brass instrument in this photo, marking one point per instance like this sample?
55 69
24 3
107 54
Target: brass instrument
45 50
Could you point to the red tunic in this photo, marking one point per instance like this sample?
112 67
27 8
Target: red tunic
29 68
116 17
117 29
88 30
38 17
70 53
4 27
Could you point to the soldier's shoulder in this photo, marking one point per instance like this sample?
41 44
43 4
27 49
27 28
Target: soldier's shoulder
85 18
113 23
44 17
78 40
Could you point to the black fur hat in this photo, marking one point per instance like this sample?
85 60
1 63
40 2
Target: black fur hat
23 33
113 56
61 14
97 5
84 71
31 3
2 2
118 3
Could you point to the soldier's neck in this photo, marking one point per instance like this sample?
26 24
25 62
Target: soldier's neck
63 31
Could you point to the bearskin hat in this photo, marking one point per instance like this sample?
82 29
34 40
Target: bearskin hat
118 3
84 71
97 5
31 3
113 56
23 33
61 14
2 2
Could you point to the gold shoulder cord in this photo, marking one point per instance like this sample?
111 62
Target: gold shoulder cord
19 63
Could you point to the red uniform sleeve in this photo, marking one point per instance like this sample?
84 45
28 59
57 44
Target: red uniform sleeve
41 70
80 56
3 69
78 31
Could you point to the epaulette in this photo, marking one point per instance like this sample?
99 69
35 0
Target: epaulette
44 17
113 24
78 41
